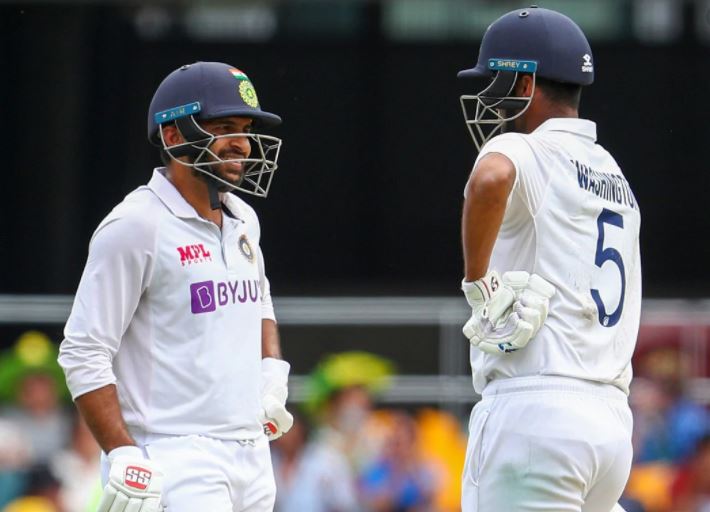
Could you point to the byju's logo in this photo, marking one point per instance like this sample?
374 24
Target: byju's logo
205 296
195 253
202 297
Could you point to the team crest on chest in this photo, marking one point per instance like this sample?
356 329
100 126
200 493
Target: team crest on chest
245 248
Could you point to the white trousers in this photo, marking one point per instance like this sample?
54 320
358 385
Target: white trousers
205 474
551 444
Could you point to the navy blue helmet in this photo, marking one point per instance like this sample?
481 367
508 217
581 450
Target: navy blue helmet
210 90
536 41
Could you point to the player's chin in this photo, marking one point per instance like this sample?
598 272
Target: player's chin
231 176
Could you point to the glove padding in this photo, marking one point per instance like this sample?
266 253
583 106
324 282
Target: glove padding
135 483
274 417
507 312
533 302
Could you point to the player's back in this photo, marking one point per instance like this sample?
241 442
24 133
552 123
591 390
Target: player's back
572 219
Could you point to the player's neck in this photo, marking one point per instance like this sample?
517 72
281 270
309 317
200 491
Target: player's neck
535 117
194 190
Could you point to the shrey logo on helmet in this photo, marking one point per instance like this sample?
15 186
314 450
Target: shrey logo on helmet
208 90
534 41
587 66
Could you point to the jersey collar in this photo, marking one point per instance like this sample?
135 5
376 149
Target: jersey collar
583 127
169 195
231 202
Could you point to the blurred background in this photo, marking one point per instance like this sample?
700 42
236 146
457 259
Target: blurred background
360 230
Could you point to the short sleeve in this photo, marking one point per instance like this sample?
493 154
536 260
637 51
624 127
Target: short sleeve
531 178
267 306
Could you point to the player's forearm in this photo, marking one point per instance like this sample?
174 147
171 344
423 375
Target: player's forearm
270 342
486 199
480 225
102 413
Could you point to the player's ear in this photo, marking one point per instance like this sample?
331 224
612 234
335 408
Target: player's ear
171 135
524 86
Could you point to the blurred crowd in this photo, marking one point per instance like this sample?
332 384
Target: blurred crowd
346 452
49 461
671 439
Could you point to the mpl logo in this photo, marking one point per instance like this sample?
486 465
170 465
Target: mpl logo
195 253
205 296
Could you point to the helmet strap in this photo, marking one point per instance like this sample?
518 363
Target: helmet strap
191 131
213 191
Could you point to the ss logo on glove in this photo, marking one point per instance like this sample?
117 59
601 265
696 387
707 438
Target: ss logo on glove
138 478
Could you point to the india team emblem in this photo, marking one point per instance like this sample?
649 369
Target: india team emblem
248 94
245 248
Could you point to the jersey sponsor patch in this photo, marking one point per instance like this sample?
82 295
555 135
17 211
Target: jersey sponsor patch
206 296
137 477
193 253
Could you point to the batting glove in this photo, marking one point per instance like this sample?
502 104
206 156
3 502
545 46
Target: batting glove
533 300
134 485
274 417
507 312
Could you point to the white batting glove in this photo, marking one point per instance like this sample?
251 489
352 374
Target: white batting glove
533 302
135 483
274 417
507 312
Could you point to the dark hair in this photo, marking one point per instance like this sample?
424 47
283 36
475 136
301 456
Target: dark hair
560 92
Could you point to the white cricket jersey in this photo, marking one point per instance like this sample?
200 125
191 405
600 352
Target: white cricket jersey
169 308
571 218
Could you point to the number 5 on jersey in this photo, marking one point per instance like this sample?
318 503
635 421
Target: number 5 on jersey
603 255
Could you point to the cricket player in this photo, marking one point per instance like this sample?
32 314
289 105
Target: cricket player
553 275
171 351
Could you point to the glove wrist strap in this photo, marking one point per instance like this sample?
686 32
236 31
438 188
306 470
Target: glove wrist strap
273 368
131 451
480 290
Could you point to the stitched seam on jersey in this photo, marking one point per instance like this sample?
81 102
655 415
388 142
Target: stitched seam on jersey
151 313
543 196
533 215
153 258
